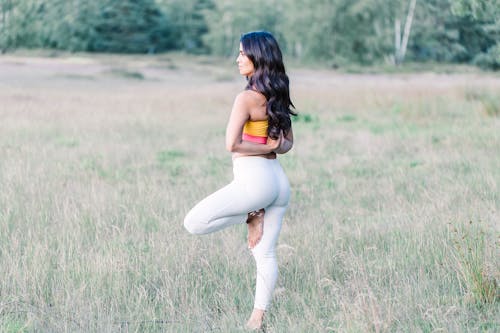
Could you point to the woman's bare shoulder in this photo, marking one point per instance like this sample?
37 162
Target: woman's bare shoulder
250 98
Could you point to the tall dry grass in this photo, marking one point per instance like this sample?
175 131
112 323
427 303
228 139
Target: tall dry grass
393 225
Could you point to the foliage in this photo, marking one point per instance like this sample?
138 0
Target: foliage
442 37
333 32
490 59
100 26
486 55
187 22
131 26
229 19
480 9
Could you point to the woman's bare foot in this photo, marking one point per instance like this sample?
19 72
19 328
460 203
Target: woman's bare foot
255 224
255 321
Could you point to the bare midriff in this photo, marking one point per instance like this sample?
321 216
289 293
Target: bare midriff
270 156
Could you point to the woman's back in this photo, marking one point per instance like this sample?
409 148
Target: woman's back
257 105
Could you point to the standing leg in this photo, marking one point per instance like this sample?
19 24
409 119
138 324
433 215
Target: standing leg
264 254
265 251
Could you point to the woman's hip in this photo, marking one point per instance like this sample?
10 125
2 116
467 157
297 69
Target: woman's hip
260 176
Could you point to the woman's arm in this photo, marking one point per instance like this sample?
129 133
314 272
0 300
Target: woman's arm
239 115
286 143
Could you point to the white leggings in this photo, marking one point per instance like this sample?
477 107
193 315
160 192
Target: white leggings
258 183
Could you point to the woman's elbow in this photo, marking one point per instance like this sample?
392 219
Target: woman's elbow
231 147
284 147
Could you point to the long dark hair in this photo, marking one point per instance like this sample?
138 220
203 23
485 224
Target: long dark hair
270 79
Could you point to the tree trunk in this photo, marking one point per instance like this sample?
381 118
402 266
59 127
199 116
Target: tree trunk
397 39
3 25
401 48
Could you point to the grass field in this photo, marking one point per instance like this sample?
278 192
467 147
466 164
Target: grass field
393 225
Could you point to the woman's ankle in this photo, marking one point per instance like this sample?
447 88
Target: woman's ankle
256 318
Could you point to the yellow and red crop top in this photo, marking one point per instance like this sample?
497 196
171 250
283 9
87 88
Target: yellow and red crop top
255 131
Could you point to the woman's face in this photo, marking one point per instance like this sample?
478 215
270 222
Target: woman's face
245 65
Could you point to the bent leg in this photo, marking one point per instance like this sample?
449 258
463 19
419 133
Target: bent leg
227 206
255 224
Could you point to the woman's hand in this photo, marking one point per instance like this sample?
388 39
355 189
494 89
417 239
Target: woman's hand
274 144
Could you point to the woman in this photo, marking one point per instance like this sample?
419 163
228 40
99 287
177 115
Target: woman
259 127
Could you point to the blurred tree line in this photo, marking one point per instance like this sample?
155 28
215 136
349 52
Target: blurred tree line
335 32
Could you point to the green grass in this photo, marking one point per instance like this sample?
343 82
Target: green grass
387 172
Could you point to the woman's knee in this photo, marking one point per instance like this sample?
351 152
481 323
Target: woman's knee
194 225
264 254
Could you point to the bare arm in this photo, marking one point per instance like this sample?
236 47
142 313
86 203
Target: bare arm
239 115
